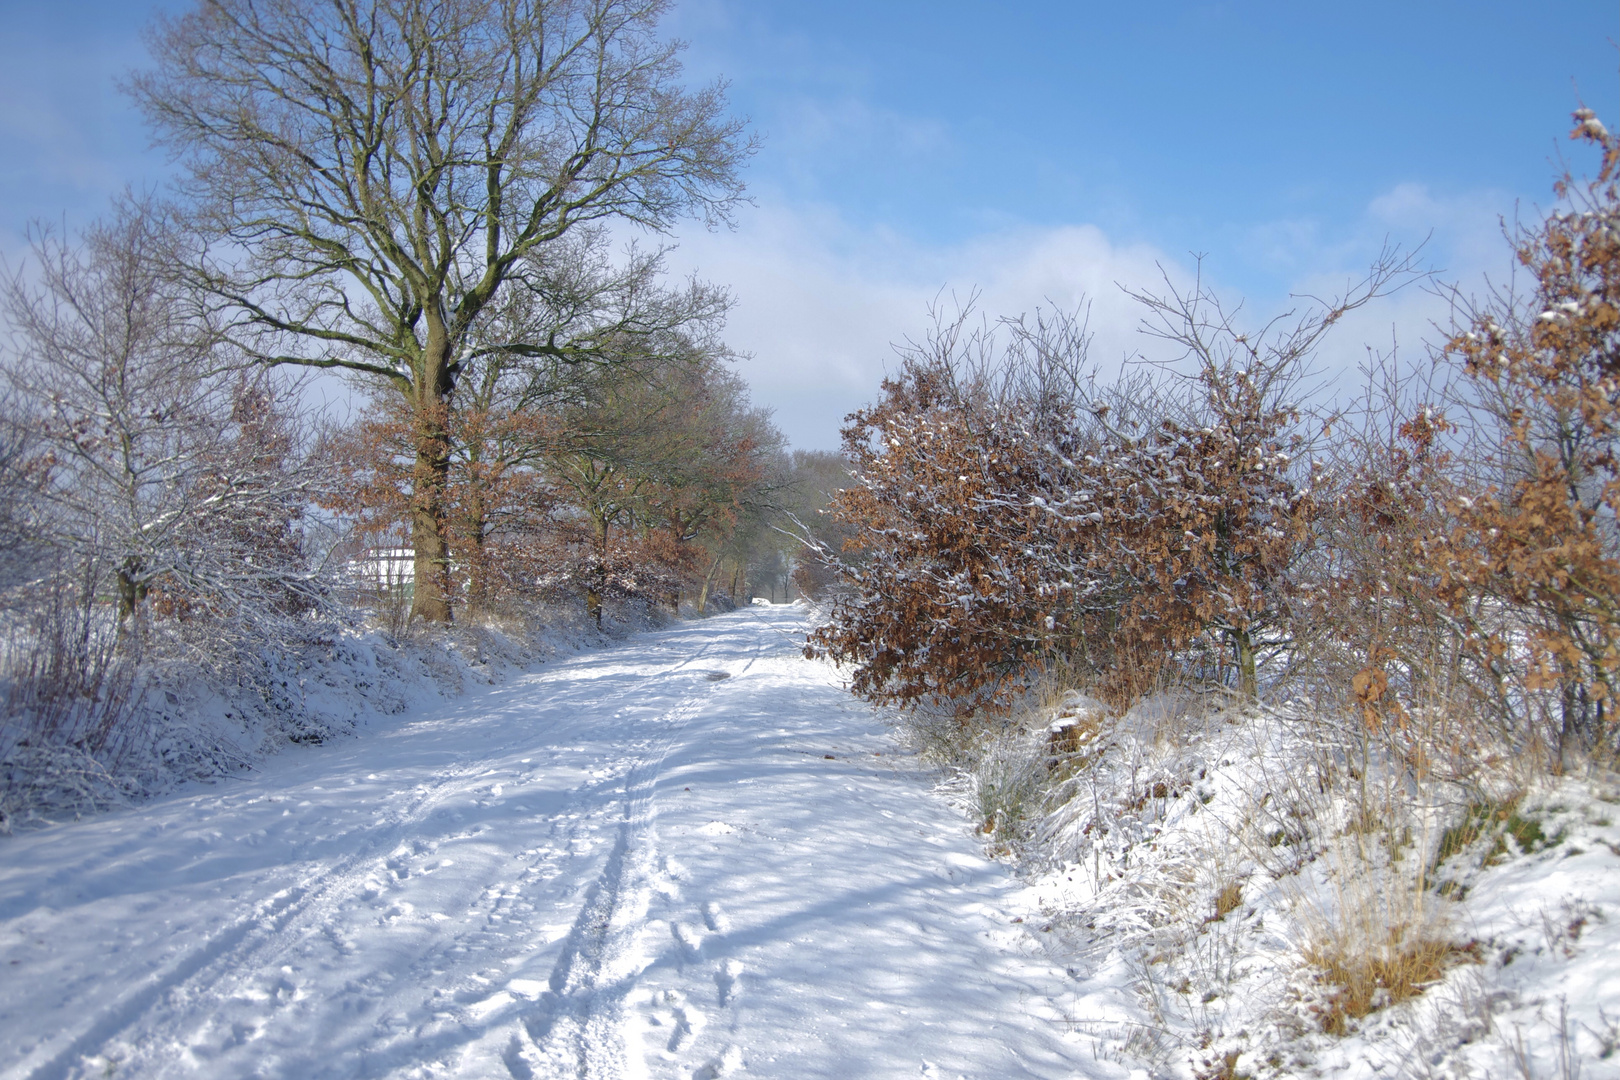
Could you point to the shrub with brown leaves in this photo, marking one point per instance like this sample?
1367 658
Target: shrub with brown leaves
1007 514
1540 544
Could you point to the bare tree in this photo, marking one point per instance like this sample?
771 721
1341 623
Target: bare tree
158 465
375 175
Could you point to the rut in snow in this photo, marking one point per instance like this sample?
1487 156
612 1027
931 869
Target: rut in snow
579 1028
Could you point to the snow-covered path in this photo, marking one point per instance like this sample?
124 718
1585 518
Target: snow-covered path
689 856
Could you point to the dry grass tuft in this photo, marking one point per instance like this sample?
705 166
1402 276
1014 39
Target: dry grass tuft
1366 980
1227 900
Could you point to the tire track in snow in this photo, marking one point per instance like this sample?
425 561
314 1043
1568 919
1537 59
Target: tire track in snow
249 942
125 1013
234 954
580 1028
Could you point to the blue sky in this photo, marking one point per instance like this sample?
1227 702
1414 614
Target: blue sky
1035 152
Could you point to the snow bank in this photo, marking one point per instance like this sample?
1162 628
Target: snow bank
189 723
1250 892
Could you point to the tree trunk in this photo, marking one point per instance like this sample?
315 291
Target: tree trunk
476 557
675 594
131 591
708 582
593 603
597 585
1248 677
430 479
430 596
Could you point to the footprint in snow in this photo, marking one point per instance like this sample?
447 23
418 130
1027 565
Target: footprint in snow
344 944
690 939
715 918
725 981
688 1021
725 1063
484 1008
218 1037
512 1057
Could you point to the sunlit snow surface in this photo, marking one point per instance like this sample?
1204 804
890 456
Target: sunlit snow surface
622 865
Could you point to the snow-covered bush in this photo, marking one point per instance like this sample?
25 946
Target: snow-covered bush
1537 537
952 593
1009 515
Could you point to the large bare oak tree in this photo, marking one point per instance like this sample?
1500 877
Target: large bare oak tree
374 174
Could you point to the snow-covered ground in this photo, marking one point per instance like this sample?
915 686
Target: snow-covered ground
691 855
1201 868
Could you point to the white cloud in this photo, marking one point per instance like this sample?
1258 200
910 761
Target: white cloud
811 130
1461 242
822 305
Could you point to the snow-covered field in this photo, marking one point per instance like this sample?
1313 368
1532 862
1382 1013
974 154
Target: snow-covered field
687 856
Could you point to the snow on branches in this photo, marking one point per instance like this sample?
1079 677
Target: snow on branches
168 474
1008 514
